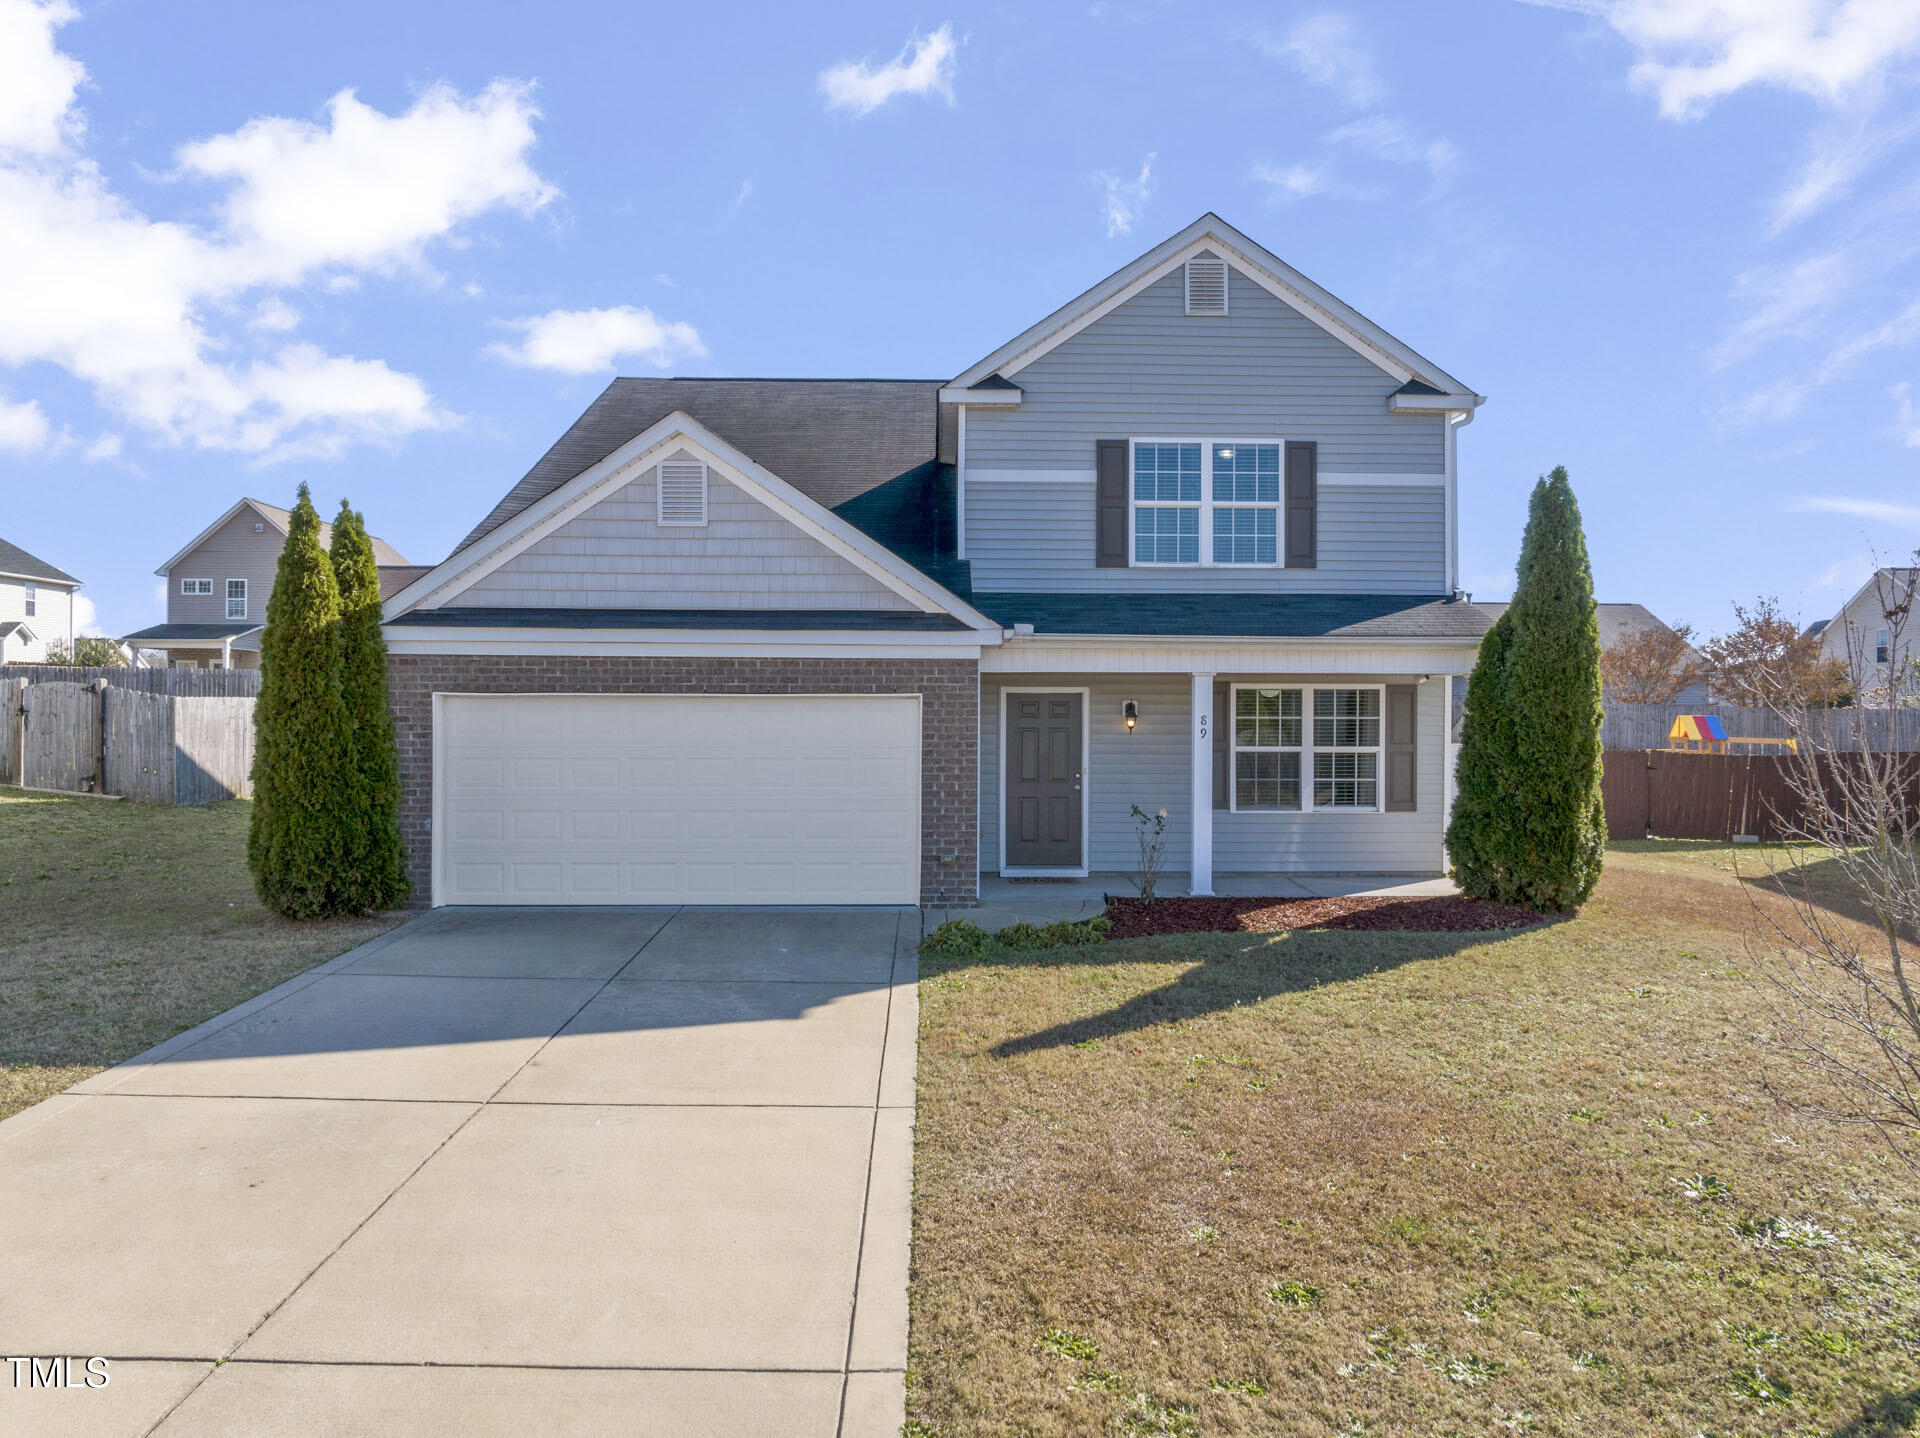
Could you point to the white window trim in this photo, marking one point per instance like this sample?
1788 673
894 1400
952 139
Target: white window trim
659 487
32 598
1306 751
1207 505
243 599
192 587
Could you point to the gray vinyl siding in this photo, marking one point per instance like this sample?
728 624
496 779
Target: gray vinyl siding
745 557
1149 370
1381 539
233 551
1151 768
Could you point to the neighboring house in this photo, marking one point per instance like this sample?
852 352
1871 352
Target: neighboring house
1882 656
1187 544
1620 622
36 606
218 587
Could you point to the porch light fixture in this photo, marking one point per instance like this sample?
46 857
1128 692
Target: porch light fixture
1129 713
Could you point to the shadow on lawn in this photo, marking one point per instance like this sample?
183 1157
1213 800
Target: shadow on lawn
1820 882
1887 1416
1261 966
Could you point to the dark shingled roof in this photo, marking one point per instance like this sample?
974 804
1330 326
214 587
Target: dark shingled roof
1418 386
1242 616
832 439
211 633
997 380
503 616
15 560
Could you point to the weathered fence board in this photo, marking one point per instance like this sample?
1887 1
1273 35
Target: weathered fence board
210 683
1645 726
62 737
212 750
140 761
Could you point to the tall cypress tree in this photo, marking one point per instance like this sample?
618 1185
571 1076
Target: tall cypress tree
374 875
1480 841
294 842
1554 669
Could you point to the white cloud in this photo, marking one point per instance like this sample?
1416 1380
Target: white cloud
924 66
583 341
106 446
1126 199
740 197
1878 510
23 427
1327 51
1691 53
1845 574
275 316
1908 425
153 314
37 82
86 619
1387 138
1292 182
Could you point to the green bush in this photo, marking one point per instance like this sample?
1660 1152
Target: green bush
1528 826
373 873
957 938
297 834
961 938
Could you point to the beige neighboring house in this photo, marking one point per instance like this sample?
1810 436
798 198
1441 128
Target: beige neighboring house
218 586
1621 622
36 606
1860 636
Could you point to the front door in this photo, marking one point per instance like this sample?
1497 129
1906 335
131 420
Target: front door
1044 767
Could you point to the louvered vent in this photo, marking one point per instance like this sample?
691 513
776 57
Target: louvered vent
683 492
1206 285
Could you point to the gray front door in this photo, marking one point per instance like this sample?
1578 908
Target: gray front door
1043 781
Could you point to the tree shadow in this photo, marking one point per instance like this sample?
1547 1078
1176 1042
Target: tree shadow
1230 970
1888 1416
1822 883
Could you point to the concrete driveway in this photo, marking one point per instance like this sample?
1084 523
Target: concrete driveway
501 1171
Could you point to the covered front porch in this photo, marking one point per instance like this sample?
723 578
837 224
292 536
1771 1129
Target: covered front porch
1296 774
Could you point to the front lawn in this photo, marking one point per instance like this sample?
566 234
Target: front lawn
1359 1182
121 925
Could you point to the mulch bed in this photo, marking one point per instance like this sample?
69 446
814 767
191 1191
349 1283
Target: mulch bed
1132 919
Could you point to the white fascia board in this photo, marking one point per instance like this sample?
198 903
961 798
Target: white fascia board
1264 268
1431 403
40 581
462 570
204 535
954 395
684 643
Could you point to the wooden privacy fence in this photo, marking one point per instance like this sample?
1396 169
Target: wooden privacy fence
1666 795
105 739
201 683
1646 726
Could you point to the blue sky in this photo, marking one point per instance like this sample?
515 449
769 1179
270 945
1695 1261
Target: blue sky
392 250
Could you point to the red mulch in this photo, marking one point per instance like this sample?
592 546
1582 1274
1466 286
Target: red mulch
1132 919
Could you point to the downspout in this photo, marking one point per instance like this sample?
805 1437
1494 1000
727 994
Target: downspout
960 485
1456 421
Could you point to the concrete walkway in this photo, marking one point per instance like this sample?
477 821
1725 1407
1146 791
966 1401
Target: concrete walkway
498 1172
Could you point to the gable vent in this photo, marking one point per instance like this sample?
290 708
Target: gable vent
683 492
1206 285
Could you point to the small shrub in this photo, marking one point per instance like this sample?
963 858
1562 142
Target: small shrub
1295 1294
1022 936
1069 1345
1151 831
957 938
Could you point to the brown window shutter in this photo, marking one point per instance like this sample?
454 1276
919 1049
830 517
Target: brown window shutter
1403 710
1110 505
1222 749
1303 503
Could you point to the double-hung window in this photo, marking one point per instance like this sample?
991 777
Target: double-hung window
1206 502
33 597
236 599
1882 646
1305 749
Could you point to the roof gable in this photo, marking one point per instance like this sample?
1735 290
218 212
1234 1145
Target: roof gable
1211 234
282 521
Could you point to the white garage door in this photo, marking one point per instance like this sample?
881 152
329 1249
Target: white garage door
677 799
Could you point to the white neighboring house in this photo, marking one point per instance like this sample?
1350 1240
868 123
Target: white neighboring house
1882 656
36 606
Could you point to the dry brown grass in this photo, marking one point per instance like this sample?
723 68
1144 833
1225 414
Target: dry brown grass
123 924
1398 1183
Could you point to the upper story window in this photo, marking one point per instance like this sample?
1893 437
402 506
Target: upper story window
683 492
1882 646
236 599
1277 745
196 586
1206 502
33 599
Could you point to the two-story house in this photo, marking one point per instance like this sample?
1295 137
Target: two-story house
1187 544
218 586
36 606
1874 637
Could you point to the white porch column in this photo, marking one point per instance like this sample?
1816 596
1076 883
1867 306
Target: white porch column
1200 869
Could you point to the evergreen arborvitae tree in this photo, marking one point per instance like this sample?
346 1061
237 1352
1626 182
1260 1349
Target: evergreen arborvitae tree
374 874
1480 834
296 843
1553 671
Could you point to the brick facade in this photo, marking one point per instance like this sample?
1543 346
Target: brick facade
949 691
